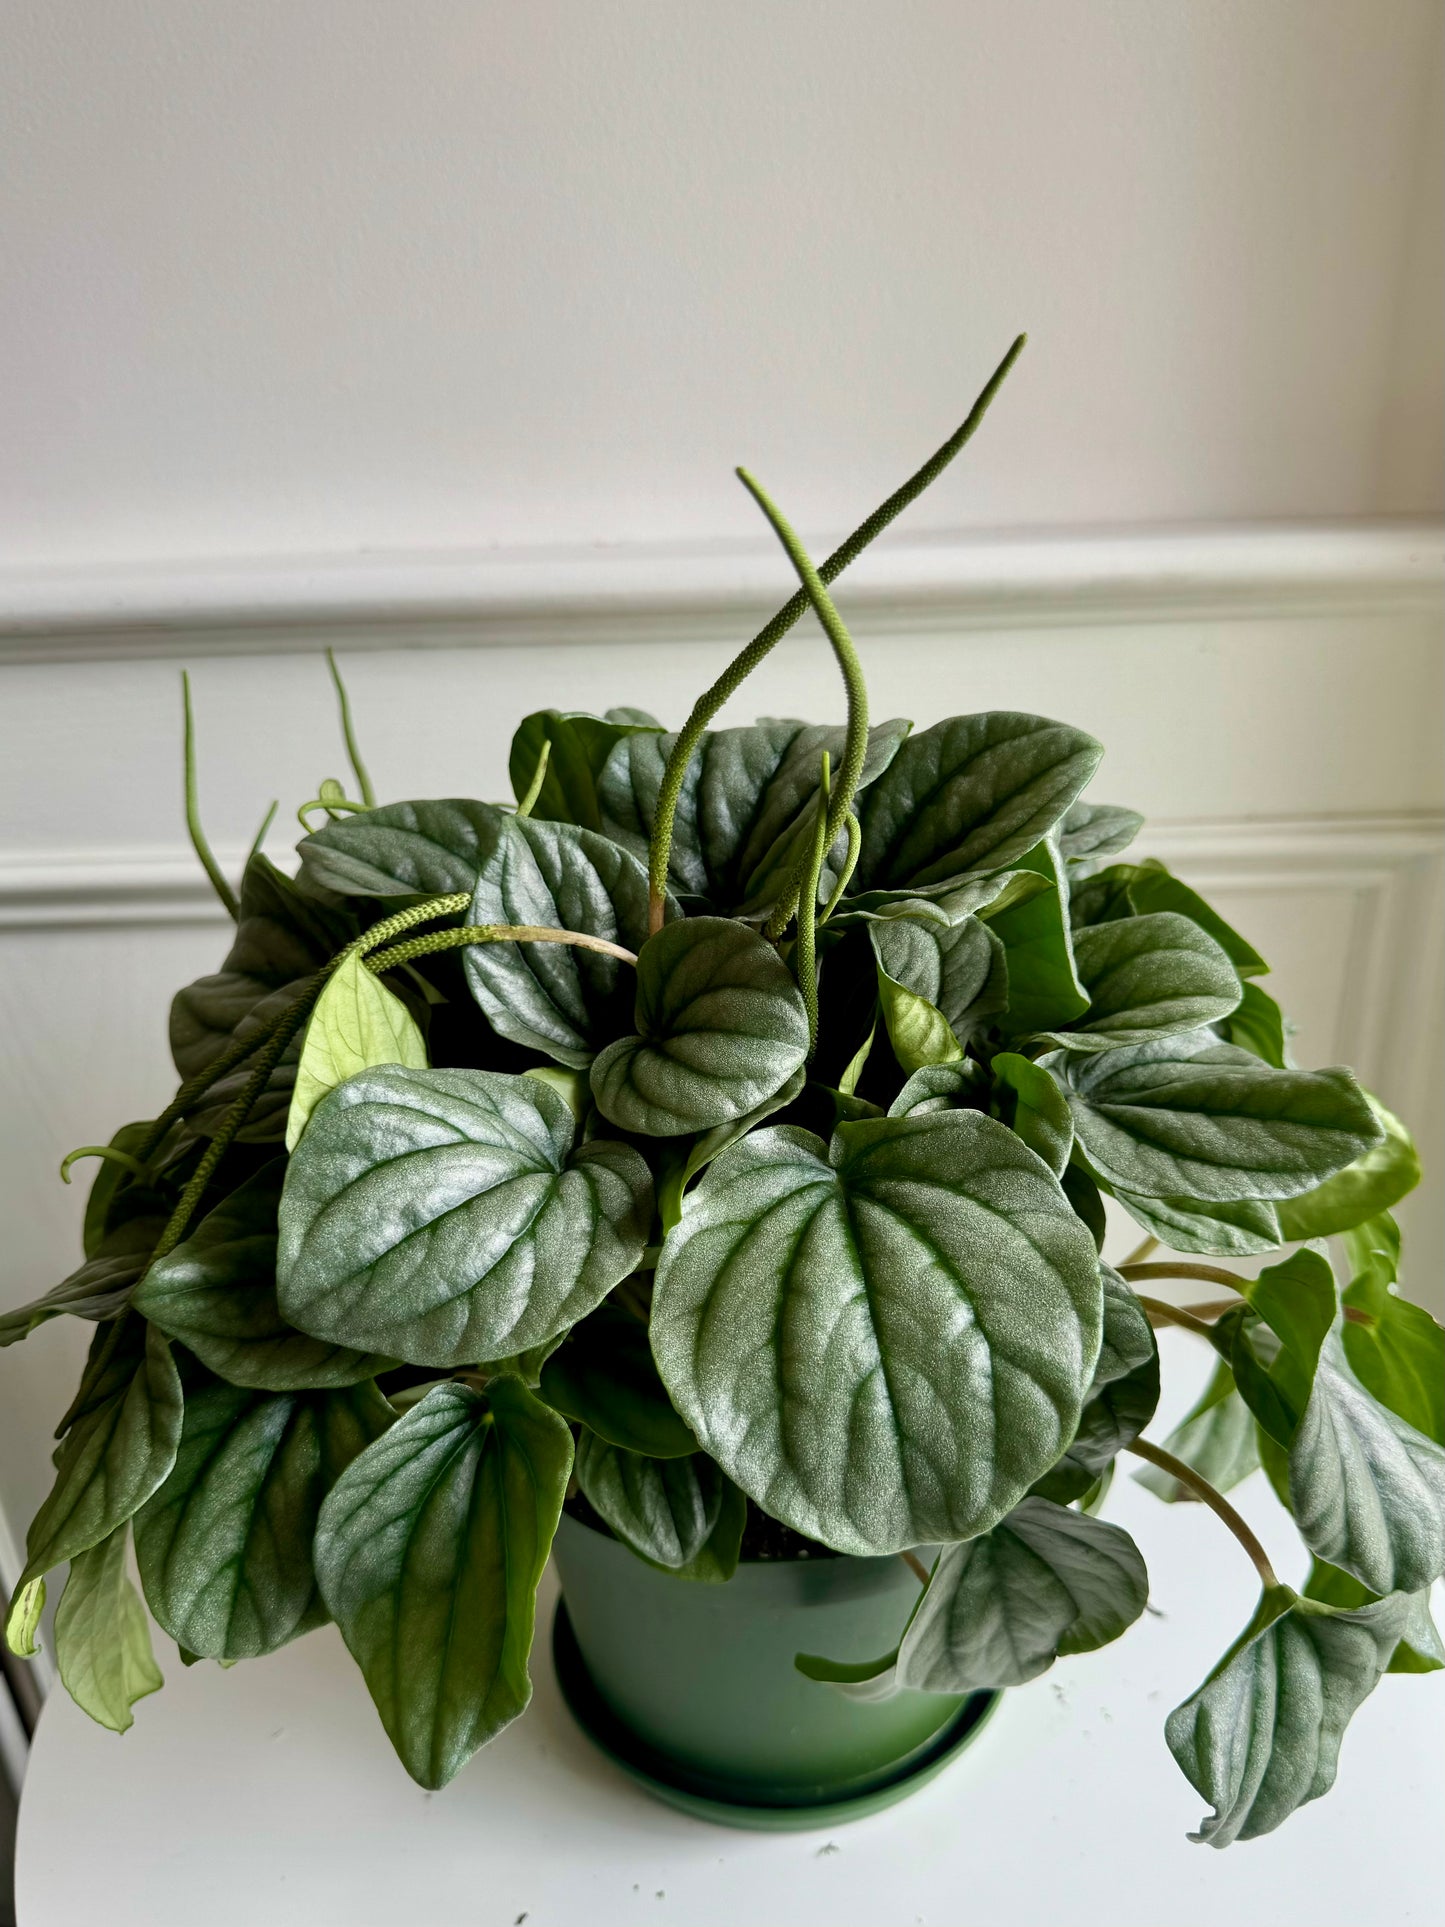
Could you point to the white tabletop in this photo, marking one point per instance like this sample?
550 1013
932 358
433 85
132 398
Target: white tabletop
268 1794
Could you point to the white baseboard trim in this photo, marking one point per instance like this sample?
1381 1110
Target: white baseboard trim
632 593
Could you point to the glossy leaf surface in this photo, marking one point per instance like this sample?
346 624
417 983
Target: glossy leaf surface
666 1510
1147 977
1374 1182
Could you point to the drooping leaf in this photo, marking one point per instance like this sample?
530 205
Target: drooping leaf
1262 1734
827 1322
1044 990
102 1636
1367 1490
1122 1396
444 1217
1001 1608
110 1180
224 1546
428 1554
97 1290
973 793
746 807
1239 1229
562 999
1374 1182
115 1454
1272 1343
1396 1349
665 1510
357 1023
937 985
603 1376
1257 1025
579 746
720 1028
216 1293
1040 1111
1420 1649
1191 1118
1147 977
1153 890
1217 1438
1091 830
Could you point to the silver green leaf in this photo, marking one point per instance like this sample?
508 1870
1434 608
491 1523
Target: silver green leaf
425 849
562 999
1367 1490
1239 1229
1122 1396
1147 977
102 1636
665 1510
216 1293
444 1217
1374 1182
720 1028
577 747
972 793
429 1551
884 1344
1262 1735
937 984
1044 991
224 1546
1188 1117
1092 830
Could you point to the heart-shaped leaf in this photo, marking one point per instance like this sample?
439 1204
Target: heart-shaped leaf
665 1510
1239 1229
943 1087
562 999
1191 1118
1362 1190
1000 1609
706 1147
937 985
1040 1111
115 1454
1367 1490
1147 977
428 1554
886 1344
603 1376
102 1636
1122 1395
1217 1438
972 793
357 1023
1152 890
720 1029
403 850
216 1293
444 1217
746 809
224 1546
577 747
1262 1735
1420 1650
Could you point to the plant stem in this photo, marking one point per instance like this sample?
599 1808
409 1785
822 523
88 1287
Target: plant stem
534 788
773 631
193 811
1162 1314
1177 1268
260 836
109 1151
916 1566
1144 1249
470 933
805 951
855 743
358 768
1216 1501
850 864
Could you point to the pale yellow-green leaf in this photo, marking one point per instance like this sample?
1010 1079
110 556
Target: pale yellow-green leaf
102 1636
918 1030
23 1617
356 1025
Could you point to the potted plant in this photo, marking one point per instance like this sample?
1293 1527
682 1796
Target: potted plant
699 1168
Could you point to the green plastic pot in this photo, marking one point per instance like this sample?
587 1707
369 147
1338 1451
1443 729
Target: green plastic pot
692 1687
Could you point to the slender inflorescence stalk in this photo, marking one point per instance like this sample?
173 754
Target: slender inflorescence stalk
260 837
110 1152
805 951
358 768
916 1566
193 811
1216 1501
850 864
539 774
471 933
855 741
773 631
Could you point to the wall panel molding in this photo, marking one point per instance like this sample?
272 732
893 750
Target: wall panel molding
629 593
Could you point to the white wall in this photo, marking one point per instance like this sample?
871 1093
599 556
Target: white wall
363 298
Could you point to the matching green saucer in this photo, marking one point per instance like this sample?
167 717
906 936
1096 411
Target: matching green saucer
758 1807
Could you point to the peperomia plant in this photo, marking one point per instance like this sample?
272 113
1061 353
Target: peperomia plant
716 1142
